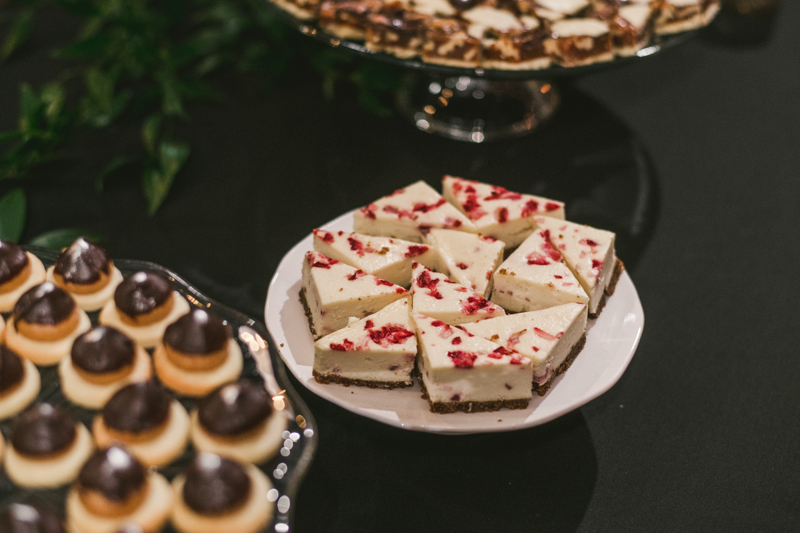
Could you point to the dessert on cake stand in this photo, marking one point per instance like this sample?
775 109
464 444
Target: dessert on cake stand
477 104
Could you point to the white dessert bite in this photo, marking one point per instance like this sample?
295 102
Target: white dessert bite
436 296
466 258
551 338
462 372
535 277
333 291
377 351
497 212
409 214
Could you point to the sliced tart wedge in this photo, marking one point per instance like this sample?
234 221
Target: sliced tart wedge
497 212
551 338
535 277
332 292
437 297
466 258
377 351
462 372
385 257
589 253
409 214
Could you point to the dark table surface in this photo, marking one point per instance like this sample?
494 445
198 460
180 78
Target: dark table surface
692 156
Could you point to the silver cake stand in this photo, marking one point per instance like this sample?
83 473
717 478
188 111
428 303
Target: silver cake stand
476 104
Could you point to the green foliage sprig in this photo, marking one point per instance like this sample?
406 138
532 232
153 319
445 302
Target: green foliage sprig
147 60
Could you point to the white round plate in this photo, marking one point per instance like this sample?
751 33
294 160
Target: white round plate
611 341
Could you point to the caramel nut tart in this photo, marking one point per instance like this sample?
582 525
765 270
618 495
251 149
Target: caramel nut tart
143 416
102 361
43 324
143 305
238 420
113 490
19 382
24 518
47 447
218 494
198 354
19 271
87 273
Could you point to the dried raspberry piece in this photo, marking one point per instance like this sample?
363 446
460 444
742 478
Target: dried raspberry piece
343 347
462 359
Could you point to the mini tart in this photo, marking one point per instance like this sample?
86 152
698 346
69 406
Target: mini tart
44 324
114 489
21 517
198 354
47 448
87 273
102 361
218 494
238 420
143 305
153 425
19 383
19 271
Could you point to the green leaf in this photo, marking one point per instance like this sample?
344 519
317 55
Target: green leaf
150 130
114 165
59 239
17 35
158 177
171 101
12 215
29 110
53 100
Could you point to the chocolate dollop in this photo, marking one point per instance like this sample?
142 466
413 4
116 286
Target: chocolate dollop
43 430
142 292
137 408
13 260
12 370
215 484
24 518
44 304
197 332
234 408
82 263
103 349
114 473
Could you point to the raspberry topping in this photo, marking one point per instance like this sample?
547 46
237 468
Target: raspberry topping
546 336
462 266
356 245
597 264
530 208
324 235
414 251
321 261
462 359
424 281
369 211
473 208
501 193
475 304
548 248
369 324
355 275
343 347
390 334
379 281
535 258
552 206
502 215
451 223
456 340
424 208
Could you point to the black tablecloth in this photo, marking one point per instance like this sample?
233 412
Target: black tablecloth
692 156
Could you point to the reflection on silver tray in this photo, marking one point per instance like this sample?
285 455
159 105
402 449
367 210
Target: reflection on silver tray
286 470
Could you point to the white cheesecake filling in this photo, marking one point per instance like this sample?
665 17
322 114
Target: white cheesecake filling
466 258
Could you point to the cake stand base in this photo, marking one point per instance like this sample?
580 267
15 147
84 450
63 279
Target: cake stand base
476 110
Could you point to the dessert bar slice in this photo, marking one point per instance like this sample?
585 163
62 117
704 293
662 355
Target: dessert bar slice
346 18
409 214
508 42
631 28
448 42
497 212
385 257
396 30
683 15
332 292
302 9
377 351
436 296
551 338
581 41
466 258
535 277
462 372
589 253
